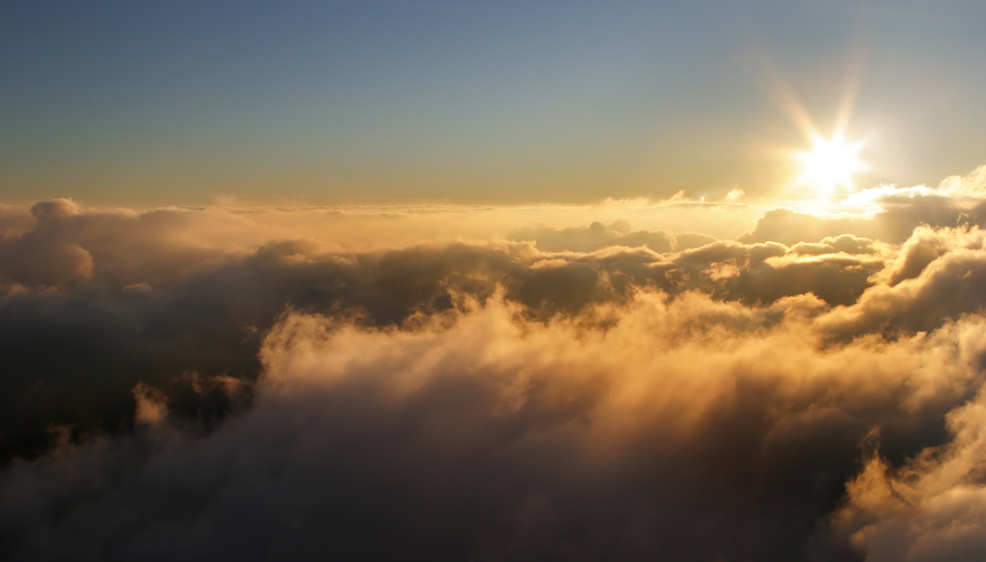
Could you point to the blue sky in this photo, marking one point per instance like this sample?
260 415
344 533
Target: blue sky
149 103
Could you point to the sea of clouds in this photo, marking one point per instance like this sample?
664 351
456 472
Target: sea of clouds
487 383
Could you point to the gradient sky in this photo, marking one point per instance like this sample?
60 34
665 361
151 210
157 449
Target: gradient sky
151 103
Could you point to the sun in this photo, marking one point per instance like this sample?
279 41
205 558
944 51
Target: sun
830 164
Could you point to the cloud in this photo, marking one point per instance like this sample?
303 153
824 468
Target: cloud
931 508
594 237
222 383
678 429
896 212
598 236
195 304
152 405
210 322
946 287
44 255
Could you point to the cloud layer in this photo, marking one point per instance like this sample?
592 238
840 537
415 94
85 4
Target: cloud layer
187 384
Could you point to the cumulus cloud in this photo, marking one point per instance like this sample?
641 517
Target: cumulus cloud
47 254
927 291
958 201
679 429
931 508
167 294
217 383
210 323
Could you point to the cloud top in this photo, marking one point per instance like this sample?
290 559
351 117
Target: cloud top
217 383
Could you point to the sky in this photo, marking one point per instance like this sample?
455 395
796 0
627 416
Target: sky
500 281
152 103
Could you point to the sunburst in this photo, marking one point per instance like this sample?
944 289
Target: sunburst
830 164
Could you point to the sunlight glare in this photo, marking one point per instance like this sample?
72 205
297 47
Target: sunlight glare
830 163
